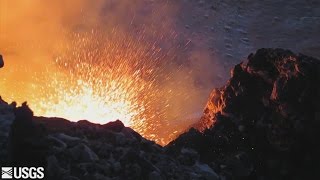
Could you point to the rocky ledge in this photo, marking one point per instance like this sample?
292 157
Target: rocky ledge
83 150
263 124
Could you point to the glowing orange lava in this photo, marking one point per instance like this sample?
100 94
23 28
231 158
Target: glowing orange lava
103 77
99 82
129 67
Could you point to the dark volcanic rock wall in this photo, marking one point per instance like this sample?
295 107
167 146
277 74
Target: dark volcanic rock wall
265 122
6 119
83 150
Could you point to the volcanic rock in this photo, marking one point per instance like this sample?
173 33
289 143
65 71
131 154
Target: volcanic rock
6 119
83 153
154 176
188 157
264 123
68 140
116 126
1 61
27 140
83 150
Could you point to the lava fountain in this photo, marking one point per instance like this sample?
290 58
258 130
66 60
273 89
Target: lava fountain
105 76
100 78
101 61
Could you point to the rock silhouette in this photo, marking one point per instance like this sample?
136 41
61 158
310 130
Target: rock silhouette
83 150
1 61
264 123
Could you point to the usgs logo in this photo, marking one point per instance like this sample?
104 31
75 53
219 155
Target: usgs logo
22 172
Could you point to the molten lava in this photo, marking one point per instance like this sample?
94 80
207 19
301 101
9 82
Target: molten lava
103 77
100 82
139 72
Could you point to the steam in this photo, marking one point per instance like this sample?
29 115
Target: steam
33 33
